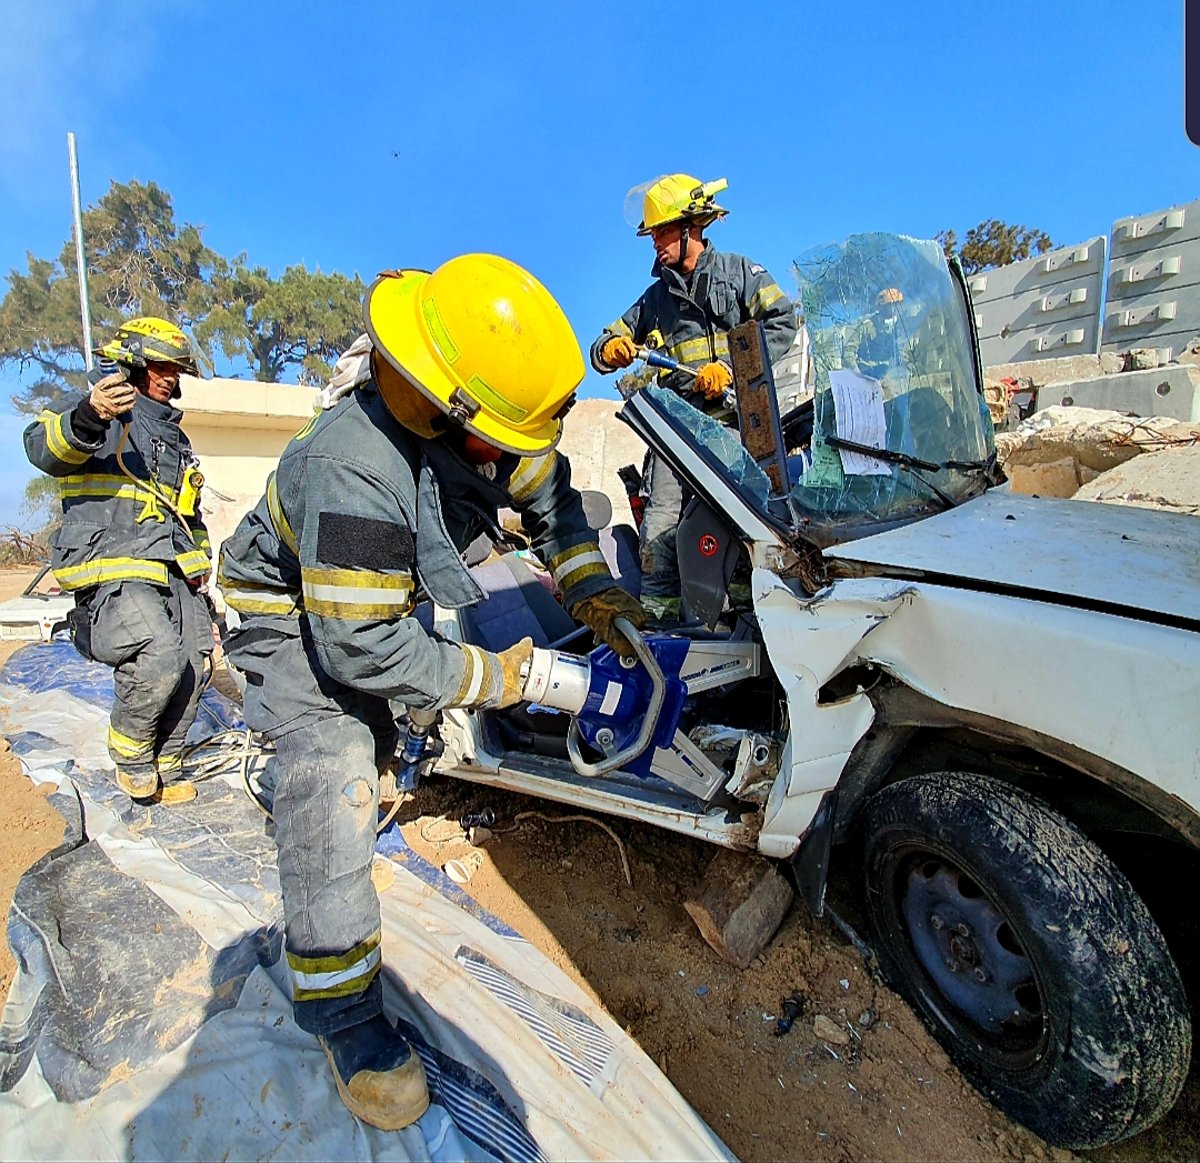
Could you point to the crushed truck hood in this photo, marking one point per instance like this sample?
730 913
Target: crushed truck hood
1135 560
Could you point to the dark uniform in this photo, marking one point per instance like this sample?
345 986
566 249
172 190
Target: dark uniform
133 565
880 348
693 314
360 520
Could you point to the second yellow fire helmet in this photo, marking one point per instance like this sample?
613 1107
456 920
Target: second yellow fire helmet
149 339
483 340
671 198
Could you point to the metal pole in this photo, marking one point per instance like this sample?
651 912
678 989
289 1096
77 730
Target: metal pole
85 311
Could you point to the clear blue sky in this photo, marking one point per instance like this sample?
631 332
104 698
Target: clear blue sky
360 136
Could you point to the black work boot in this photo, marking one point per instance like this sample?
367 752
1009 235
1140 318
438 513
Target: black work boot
378 1074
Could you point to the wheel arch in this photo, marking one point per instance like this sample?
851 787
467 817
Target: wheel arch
913 733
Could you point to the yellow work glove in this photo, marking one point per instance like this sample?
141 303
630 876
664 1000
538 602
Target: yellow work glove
620 351
601 610
511 662
712 380
112 395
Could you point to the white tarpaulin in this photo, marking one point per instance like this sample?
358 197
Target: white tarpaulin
150 1015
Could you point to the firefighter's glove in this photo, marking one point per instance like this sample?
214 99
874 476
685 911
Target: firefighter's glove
511 662
620 351
112 395
712 380
601 610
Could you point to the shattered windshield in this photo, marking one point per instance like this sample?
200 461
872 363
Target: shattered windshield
722 442
892 370
881 417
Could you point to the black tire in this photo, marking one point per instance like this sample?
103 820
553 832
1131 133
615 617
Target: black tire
1028 954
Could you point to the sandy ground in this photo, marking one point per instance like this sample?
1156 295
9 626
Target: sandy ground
29 826
889 1093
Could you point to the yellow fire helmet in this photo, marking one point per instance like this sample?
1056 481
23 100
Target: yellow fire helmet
485 342
889 295
148 339
672 198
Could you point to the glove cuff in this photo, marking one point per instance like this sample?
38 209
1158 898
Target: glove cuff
482 683
88 424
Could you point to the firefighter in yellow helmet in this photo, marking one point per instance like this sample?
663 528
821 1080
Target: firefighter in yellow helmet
132 546
698 294
448 409
880 346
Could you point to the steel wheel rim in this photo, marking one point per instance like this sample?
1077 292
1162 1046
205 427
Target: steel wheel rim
973 971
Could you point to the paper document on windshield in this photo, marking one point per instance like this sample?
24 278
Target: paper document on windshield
858 409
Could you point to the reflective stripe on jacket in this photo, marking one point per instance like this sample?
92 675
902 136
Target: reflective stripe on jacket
115 528
361 516
694 314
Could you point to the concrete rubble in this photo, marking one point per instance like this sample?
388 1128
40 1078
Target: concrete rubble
1134 381
1059 449
1168 479
1121 427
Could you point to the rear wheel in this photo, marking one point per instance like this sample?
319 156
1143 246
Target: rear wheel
1028 954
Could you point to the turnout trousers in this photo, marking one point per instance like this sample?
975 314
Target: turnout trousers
664 496
330 744
156 639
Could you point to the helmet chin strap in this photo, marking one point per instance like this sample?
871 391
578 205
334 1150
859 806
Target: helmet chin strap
684 235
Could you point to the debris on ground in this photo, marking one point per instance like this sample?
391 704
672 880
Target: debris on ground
790 1009
739 905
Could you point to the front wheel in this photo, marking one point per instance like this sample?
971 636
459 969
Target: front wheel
1028 954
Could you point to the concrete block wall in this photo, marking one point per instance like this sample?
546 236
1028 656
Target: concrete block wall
1071 301
1154 282
1047 306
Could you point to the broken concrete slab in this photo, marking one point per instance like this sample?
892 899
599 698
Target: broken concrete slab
1049 371
1097 438
1058 478
739 905
1172 391
1168 479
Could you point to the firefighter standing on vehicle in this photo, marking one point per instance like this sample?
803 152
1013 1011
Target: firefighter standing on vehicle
132 546
699 293
447 410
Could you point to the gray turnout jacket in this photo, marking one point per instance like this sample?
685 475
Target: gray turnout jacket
362 518
694 314
115 528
